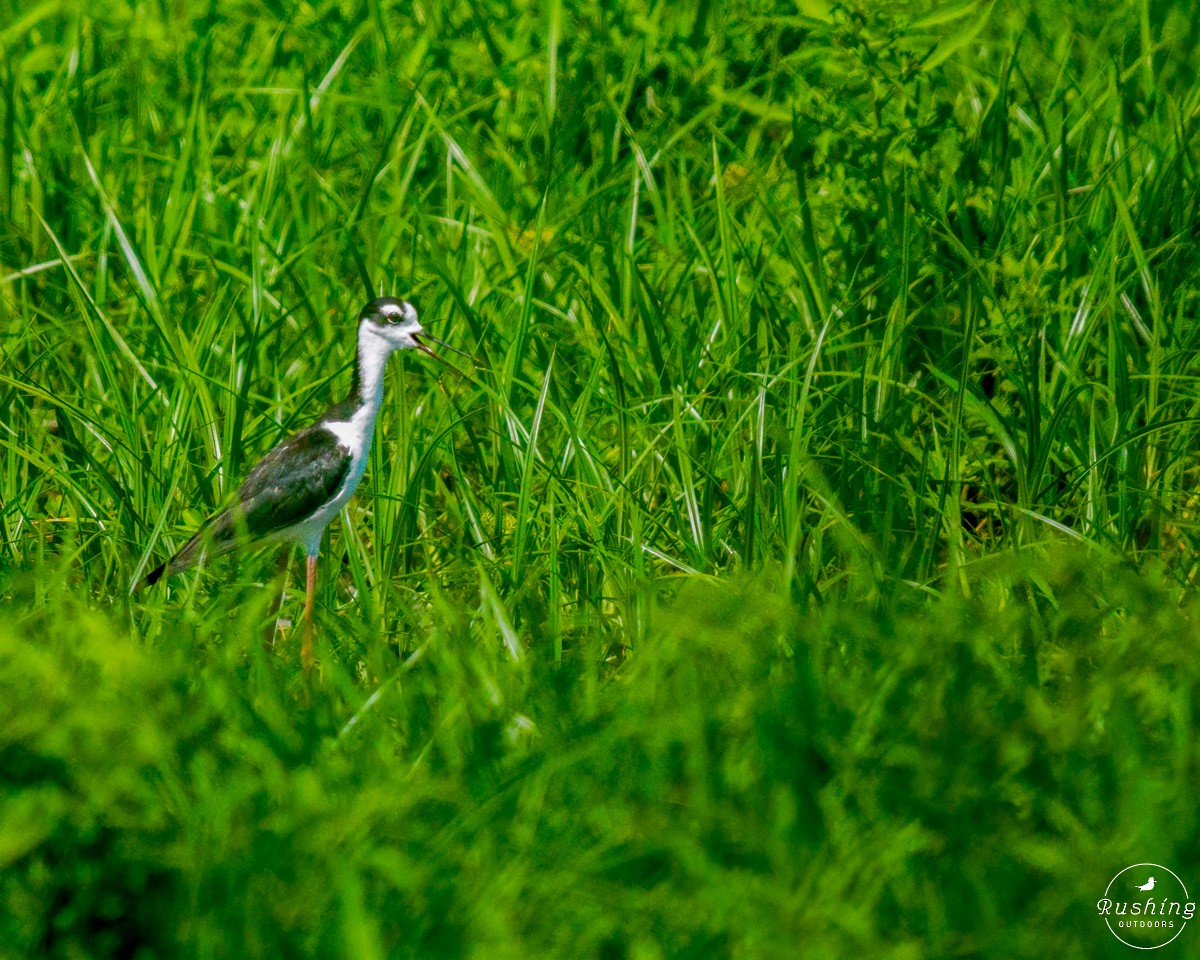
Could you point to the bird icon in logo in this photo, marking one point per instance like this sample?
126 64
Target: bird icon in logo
1148 885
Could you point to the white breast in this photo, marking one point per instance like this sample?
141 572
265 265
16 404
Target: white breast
355 435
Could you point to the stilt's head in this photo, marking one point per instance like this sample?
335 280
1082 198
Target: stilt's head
388 324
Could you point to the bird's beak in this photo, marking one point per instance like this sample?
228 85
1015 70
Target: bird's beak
423 336
419 339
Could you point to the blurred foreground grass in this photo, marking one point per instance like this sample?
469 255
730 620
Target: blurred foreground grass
807 570
950 779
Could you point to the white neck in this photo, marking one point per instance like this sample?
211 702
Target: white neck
357 431
373 353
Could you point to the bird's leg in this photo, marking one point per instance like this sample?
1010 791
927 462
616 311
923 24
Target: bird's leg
306 654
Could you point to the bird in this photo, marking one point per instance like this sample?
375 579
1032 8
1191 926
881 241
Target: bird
1148 885
293 492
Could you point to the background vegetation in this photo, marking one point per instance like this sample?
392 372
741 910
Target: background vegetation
807 569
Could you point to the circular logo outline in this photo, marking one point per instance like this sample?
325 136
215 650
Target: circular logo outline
1186 897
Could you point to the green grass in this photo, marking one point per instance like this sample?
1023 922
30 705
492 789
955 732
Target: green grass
807 570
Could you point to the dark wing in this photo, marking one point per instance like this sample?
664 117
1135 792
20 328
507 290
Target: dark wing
293 481
286 486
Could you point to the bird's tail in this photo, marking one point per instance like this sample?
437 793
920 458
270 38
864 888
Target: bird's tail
212 540
152 577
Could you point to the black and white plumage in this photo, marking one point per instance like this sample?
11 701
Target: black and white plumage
293 492
286 490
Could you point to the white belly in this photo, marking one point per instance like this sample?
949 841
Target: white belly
356 435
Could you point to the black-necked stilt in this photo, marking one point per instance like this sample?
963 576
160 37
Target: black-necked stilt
295 490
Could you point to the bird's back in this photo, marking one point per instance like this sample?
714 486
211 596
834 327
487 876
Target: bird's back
286 488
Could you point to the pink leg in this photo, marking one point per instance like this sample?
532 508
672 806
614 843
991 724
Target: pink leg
306 654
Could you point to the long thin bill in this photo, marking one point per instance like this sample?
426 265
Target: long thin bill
440 359
424 335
